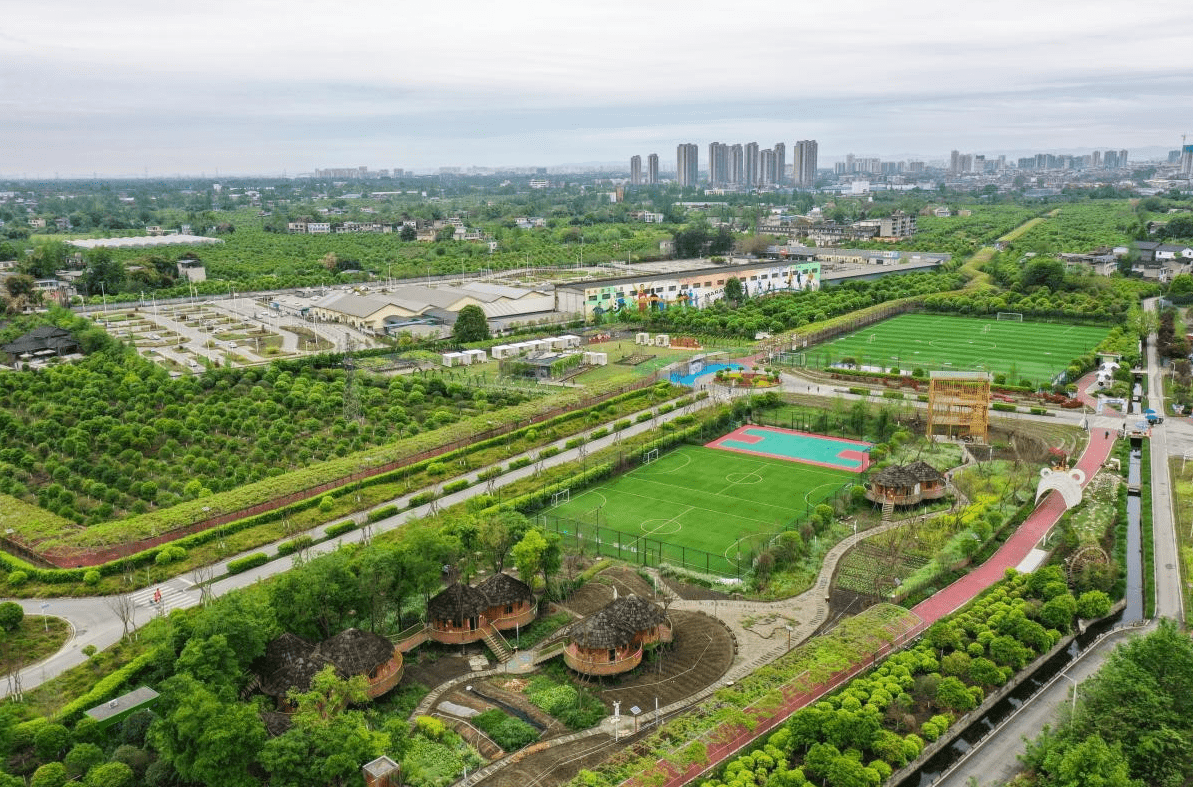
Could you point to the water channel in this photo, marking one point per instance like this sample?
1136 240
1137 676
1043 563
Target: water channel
931 770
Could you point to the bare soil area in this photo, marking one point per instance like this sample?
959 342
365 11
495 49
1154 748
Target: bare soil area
555 765
431 665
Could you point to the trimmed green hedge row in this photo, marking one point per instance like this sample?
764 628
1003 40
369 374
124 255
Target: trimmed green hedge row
108 687
294 545
340 528
243 564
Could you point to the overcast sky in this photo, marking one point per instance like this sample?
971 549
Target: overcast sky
121 87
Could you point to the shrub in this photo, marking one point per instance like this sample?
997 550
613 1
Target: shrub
454 486
623 424
169 554
294 545
1038 411
248 561
326 503
1003 407
17 578
387 511
422 498
547 452
436 469
340 528
860 391
521 461
91 578
643 417
892 394
598 433
507 732
489 472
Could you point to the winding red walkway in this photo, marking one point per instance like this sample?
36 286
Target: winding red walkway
1017 547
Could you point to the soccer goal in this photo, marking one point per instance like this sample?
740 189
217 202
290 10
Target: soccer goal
562 496
650 456
1012 316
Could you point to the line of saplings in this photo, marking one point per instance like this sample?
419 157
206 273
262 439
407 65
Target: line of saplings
20 571
881 721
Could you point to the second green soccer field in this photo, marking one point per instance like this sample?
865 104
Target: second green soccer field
720 502
1033 351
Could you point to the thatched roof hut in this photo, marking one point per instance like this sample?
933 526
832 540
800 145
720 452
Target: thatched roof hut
502 589
356 652
457 602
617 624
276 723
907 475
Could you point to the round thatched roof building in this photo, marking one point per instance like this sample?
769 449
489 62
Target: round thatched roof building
457 602
501 589
356 652
617 624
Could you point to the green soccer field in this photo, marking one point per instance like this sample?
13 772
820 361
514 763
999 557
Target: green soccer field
696 506
1032 351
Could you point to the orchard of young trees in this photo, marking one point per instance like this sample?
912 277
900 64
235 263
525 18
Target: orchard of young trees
114 434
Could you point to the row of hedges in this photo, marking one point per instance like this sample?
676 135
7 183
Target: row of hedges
187 514
149 557
108 687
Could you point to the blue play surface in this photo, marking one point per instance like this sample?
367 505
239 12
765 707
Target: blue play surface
690 379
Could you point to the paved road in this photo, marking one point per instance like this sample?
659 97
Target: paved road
995 760
1169 596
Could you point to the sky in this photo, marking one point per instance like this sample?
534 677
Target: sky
133 87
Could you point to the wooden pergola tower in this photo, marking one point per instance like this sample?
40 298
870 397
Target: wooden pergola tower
960 401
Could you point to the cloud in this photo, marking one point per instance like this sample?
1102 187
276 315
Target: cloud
497 83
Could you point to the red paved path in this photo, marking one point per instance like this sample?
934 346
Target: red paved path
1017 547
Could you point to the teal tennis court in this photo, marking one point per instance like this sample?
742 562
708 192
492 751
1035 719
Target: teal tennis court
810 449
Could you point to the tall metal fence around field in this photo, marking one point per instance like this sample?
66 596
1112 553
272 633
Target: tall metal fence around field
592 537
596 539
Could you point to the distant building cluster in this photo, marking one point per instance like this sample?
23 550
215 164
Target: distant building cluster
735 167
815 227
359 173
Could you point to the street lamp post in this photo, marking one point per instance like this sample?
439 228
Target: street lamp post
1075 683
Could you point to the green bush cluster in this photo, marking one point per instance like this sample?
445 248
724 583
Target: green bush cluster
455 486
294 545
243 564
340 528
507 732
377 514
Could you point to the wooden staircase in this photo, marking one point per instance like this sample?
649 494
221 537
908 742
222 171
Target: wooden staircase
888 509
497 643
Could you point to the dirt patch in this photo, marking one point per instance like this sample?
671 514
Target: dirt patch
699 656
599 592
554 766
432 666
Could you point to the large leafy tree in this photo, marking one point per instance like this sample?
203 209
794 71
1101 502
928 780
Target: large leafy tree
327 742
209 738
471 324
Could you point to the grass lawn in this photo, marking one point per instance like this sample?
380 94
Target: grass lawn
1033 351
698 500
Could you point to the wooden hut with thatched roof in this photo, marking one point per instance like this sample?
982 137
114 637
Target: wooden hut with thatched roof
462 613
454 614
356 652
610 640
511 601
290 662
906 485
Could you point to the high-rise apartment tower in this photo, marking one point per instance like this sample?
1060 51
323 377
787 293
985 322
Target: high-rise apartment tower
804 163
687 164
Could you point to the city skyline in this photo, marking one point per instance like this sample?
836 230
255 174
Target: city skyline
119 89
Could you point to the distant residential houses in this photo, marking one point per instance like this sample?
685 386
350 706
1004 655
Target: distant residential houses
825 232
426 231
